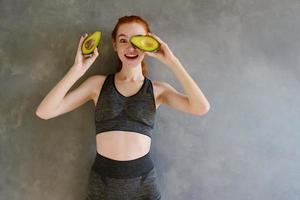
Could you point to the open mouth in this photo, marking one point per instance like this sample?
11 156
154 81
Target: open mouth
131 56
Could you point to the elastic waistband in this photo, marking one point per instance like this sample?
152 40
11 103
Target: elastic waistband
122 169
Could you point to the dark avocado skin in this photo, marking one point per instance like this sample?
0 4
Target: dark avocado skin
144 49
87 38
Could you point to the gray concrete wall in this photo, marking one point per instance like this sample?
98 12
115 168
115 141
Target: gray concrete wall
243 54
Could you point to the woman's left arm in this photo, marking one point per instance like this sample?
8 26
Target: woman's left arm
194 101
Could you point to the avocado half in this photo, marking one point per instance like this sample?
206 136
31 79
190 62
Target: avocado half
91 42
145 42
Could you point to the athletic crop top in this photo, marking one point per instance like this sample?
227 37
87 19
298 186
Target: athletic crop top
115 111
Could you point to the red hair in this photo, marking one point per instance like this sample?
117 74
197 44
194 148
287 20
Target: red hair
131 19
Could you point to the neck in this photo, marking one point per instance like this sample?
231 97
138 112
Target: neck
130 73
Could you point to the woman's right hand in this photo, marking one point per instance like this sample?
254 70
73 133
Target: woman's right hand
83 62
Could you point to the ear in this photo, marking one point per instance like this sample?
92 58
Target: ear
114 46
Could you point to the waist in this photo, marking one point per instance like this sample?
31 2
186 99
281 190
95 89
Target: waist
121 145
122 169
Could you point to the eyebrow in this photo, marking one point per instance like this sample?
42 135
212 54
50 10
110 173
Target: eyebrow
122 34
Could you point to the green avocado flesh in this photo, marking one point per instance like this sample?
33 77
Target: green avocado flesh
145 42
90 43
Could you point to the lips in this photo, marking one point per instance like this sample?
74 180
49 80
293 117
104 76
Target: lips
131 56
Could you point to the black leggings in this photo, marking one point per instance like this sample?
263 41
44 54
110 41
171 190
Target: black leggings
123 180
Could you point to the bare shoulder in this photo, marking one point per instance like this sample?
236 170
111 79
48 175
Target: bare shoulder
96 83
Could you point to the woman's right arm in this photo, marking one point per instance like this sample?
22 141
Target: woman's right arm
57 101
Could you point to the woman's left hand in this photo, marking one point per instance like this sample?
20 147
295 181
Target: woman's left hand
164 54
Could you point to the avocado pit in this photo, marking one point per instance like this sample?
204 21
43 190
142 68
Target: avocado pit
89 44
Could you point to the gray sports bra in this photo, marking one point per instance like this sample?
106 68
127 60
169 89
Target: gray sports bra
115 111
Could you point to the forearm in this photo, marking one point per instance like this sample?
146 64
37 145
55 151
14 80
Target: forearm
53 99
193 92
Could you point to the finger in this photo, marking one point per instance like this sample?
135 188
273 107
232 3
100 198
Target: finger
86 35
80 42
92 57
87 56
150 54
96 51
82 38
95 54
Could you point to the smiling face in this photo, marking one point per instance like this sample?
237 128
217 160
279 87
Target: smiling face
128 54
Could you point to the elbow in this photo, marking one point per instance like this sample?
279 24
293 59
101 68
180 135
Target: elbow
41 115
203 110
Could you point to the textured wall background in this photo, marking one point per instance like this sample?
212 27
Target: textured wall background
244 55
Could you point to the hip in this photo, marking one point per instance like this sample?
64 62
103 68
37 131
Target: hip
132 179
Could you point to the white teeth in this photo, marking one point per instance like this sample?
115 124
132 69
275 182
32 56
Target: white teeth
131 56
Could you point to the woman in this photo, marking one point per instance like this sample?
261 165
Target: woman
125 107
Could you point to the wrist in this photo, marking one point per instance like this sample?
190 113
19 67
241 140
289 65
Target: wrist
173 61
75 71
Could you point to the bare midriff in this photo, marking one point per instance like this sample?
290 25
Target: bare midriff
122 145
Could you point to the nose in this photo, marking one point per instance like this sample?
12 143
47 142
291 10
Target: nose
131 46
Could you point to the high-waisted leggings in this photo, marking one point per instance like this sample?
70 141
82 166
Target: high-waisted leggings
123 180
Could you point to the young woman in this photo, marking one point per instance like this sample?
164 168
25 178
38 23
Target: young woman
125 108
